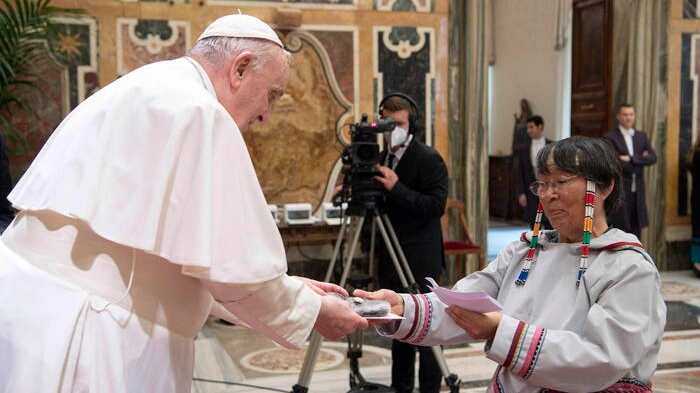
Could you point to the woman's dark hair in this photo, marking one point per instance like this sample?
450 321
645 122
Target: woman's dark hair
590 158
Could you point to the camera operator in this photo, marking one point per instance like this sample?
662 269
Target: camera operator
415 178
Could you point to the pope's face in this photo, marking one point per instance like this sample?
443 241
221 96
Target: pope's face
257 91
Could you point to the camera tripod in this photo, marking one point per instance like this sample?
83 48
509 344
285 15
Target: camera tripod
381 221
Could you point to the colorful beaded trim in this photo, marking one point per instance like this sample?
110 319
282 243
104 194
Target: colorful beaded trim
585 242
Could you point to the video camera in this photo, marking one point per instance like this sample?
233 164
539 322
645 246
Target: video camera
360 158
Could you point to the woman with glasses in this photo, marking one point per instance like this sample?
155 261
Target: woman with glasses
582 309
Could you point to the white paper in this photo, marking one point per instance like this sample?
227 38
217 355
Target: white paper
477 301
387 317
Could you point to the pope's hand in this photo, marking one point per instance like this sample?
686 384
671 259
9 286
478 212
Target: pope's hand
321 287
336 319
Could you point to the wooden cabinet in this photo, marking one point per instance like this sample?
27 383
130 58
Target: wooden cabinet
502 201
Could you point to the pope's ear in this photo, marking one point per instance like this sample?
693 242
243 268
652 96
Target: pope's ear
240 65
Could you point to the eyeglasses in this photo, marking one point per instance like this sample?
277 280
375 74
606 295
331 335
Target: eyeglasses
540 187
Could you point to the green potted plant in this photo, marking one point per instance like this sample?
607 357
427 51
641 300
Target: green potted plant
25 32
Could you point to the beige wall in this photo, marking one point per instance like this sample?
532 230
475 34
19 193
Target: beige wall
527 66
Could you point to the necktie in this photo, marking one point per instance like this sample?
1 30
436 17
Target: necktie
392 159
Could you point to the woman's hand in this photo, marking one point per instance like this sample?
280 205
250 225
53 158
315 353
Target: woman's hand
478 326
395 301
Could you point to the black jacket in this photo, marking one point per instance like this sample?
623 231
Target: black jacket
621 217
414 207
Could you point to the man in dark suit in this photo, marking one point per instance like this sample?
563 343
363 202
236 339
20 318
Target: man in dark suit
634 152
524 161
415 179
7 214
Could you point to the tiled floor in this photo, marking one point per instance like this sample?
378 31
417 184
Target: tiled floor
231 359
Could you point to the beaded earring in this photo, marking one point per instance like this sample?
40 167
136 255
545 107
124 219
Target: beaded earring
585 241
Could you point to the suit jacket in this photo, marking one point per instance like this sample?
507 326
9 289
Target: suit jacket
6 212
621 217
414 206
694 168
524 176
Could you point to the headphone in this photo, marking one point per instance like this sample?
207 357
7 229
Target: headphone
413 115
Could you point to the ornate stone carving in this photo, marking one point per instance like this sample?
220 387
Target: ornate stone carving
295 152
142 41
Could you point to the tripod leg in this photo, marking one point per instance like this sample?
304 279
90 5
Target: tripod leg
372 244
354 353
307 368
336 248
351 254
314 347
452 380
403 270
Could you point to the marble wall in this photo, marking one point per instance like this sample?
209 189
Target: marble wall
65 80
683 125
683 118
347 55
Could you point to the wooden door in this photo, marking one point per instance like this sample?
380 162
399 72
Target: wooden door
503 202
591 75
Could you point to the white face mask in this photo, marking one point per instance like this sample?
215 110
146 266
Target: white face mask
398 136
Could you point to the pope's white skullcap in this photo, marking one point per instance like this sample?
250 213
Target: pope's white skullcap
240 26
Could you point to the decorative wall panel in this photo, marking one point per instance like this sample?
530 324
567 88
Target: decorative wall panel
157 1
405 63
404 5
683 118
77 45
690 9
296 151
343 66
144 41
286 3
65 81
687 113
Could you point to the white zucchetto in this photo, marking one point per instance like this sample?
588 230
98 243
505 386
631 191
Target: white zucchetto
241 26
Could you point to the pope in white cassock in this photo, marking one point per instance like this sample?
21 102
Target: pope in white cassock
142 215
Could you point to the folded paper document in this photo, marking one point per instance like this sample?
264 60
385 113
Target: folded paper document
477 301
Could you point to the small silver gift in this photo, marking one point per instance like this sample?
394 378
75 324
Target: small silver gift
369 308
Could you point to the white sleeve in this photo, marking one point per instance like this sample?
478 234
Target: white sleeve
425 321
283 309
621 336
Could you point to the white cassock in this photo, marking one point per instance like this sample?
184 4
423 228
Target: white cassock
148 181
